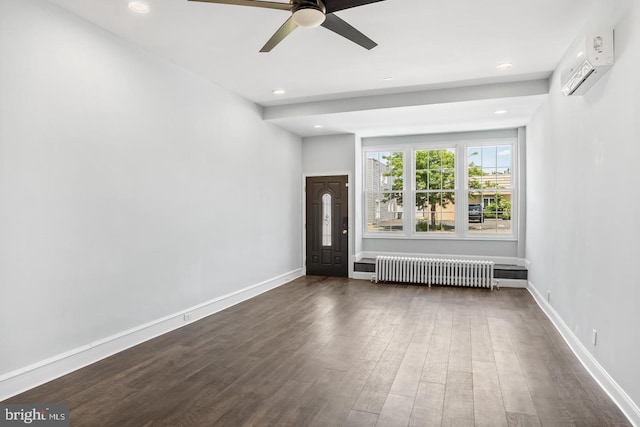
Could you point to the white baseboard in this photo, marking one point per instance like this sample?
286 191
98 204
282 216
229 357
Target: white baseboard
503 283
363 275
512 283
23 379
602 377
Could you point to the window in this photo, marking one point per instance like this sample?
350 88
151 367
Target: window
456 190
435 190
384 190
490 185
326 219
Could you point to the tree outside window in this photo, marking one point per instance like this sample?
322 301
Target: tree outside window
435 190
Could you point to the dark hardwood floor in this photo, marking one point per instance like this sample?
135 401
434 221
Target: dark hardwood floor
331 352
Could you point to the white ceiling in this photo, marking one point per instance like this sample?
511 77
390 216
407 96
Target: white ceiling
423 44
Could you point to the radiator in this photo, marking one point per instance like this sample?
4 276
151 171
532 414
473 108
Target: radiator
435 271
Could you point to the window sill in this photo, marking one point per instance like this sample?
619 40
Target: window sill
434 236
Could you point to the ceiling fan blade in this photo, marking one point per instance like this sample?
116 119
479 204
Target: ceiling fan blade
336 5
286 29
339 26
252 3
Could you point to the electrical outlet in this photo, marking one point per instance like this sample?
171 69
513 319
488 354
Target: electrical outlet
594 337
187 317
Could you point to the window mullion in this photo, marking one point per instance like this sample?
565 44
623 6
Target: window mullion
409 191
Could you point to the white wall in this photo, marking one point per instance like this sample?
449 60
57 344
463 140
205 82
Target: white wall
328 154
129 188
583 203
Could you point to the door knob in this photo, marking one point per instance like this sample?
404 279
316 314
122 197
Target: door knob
344 231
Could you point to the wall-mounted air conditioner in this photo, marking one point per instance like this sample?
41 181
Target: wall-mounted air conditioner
594 58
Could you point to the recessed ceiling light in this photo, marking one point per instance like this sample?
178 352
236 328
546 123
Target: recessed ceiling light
318 126
386 79
504 67
499 112
279 92
580 54
139 7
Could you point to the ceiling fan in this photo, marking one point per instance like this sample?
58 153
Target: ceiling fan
309 14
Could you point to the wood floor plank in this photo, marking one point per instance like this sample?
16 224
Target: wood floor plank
396 411
487 396
361 419
460 348
458 399
343 397
515 391
375 391
406 381
330 351
522 420
313 400
437 361
275 407
500 339
481 346
427 406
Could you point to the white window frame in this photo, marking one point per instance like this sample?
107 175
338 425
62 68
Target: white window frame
461 190
513 143
384 234
413 191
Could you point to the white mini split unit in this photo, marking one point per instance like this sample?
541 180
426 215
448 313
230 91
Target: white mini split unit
594 58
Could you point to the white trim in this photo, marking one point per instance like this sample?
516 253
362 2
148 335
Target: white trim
38 373
628 407
503 283
363 275
434 235
496 259
511 283
520 173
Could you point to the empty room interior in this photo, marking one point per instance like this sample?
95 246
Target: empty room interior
304 213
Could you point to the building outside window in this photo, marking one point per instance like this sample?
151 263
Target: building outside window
490 185
384 191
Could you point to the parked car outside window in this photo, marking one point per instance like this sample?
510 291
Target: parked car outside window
475 213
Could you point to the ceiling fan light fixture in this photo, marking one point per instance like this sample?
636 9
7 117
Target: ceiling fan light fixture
139 7
308 17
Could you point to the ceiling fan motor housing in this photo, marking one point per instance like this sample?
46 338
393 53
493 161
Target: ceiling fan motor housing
308 13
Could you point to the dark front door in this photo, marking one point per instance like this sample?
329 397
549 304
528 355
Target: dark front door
327 226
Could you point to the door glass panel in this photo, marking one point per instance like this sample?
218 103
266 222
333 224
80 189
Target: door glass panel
326 220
